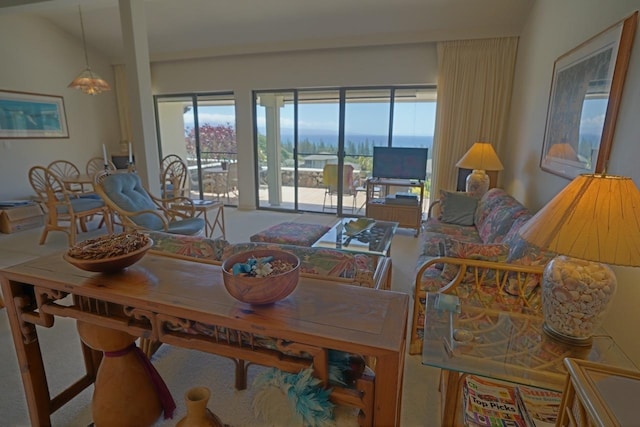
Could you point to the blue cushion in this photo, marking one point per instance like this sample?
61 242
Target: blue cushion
126 191
188 226
81 205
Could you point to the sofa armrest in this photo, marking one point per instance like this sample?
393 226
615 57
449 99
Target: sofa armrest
510 280
486 283
434 209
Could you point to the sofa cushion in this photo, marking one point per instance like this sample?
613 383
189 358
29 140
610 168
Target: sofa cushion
457 207
460 249
501 212
460 232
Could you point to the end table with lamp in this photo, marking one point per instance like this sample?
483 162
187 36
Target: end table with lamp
481 157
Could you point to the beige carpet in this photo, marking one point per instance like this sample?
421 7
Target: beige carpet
183 369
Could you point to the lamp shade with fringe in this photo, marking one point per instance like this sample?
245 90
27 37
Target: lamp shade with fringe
595 219
88 81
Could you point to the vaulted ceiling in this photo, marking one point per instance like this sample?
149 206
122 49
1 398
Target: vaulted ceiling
180 29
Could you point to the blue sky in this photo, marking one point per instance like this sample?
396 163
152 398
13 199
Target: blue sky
371 119
363 119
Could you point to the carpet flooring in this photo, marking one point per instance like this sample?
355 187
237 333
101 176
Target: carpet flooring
183 369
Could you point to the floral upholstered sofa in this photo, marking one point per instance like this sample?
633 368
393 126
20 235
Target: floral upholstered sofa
472 248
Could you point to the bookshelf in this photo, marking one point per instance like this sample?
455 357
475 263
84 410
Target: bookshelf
406 215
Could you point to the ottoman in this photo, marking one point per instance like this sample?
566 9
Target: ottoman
291 233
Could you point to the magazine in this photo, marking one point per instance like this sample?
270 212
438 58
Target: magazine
539 407
490 403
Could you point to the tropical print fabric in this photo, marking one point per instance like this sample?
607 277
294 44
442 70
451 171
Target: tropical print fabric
291 233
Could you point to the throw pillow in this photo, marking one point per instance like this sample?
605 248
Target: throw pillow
457 208
459 249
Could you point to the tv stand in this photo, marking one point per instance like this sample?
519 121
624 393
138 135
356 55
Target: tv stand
407 216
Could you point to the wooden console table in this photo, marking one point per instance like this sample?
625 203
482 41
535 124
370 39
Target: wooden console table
159 291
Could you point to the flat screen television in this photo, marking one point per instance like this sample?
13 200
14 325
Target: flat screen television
400 163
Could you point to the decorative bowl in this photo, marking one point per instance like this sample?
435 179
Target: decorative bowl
125 249
261 290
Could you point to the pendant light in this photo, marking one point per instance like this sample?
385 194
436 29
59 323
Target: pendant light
88 81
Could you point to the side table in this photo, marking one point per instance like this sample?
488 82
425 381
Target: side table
505 345
202 208
599 395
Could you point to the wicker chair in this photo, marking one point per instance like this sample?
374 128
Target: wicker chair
138 209
65 212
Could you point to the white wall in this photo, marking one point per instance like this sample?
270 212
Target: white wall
37 57
555 27
370 66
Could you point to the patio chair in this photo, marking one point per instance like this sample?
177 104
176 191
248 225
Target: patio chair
140 210
65 212
175 180
330 181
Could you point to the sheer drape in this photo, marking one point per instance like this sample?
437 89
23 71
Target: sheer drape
475 80
122 100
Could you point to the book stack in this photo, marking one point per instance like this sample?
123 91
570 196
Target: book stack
490 403
493 403
402 199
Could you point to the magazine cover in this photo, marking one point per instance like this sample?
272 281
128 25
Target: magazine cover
539 407
491 403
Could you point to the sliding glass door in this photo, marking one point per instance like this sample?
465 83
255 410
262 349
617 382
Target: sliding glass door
314 147
200 128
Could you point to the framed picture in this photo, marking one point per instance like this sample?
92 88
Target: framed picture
32 115
585 98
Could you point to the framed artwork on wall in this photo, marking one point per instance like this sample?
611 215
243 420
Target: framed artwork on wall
32 115
584 101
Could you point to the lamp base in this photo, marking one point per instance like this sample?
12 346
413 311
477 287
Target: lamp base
477 183
576 295
566 339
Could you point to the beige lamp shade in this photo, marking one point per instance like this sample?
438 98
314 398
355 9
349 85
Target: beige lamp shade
594 218
481 156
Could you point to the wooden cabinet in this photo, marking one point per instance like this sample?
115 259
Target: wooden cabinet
378 207
599 395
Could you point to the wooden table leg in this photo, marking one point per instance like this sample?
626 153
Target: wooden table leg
388 396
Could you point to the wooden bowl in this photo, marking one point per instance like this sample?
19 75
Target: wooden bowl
261 290
112 264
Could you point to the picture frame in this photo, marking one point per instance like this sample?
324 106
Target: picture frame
32 115
584 101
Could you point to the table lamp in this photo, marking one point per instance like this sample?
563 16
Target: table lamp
481 157
594 220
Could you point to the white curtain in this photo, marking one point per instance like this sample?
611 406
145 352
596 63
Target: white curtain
475 79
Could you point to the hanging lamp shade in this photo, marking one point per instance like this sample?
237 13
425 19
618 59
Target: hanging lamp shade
88 81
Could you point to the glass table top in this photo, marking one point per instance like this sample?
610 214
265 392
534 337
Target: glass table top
504 345
369 236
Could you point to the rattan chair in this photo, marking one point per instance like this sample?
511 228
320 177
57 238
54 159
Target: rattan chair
65 212
96 164
175 180
138 209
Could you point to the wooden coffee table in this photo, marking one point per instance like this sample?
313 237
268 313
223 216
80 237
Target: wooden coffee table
160 291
